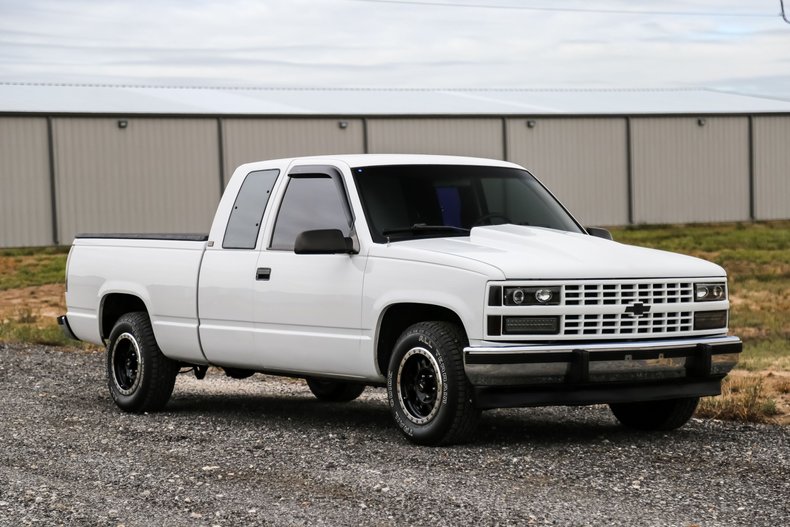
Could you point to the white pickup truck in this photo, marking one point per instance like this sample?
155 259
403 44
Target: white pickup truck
460 284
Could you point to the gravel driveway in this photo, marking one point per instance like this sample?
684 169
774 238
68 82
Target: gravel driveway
264 451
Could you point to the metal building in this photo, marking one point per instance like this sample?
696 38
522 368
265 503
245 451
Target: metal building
79 158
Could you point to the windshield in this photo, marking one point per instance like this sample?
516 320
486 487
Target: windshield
418 201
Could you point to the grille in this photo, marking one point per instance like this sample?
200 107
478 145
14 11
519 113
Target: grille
605 309
615 294
624 324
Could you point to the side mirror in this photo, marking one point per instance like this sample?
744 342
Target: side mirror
599 233
323 241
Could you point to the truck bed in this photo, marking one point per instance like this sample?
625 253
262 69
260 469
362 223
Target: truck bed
159 269
183 237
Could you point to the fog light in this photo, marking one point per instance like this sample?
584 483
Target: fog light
710 320
531 325
709 292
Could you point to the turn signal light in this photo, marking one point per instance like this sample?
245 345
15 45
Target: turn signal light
710 320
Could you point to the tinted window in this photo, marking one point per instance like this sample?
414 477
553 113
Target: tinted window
523 202
310 203
247 214
407 201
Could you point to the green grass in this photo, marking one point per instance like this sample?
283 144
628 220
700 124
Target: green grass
773 235
32 267
765 354
51 335
742 399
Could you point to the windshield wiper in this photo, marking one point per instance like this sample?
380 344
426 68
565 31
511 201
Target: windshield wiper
422 227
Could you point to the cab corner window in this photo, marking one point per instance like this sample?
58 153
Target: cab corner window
247 214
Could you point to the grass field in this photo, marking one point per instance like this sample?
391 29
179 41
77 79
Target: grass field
756 257
757 260
31 295
32 267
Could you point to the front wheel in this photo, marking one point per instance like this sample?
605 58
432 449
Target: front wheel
655 415
140 377
429 394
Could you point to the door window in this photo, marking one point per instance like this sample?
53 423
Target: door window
310 202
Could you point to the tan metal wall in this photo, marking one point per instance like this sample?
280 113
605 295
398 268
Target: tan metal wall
771 136
582 161
25 197
462 137
163 174
157 175
683 172
246 140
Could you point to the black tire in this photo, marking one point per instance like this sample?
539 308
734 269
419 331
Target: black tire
238 373
334 391
429 394
655 415
140 378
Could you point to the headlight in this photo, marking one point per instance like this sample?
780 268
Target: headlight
710 292
532 296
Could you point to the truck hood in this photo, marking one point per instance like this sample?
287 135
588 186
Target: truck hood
522 252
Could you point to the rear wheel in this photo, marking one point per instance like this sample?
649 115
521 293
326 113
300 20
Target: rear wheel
238 373
429 395
334 391
140 378
655 415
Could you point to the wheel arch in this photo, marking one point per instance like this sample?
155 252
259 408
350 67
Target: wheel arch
397 317
113 306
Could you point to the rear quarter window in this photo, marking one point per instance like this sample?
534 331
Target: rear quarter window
247 214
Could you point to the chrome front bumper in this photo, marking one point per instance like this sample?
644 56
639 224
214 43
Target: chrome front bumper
610 362
601 373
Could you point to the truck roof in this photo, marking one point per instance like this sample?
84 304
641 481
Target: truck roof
356 160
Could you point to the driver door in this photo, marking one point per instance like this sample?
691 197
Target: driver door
308 307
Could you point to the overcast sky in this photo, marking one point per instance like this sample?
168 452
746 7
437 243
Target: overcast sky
376 43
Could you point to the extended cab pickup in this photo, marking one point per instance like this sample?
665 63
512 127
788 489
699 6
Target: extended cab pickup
460 284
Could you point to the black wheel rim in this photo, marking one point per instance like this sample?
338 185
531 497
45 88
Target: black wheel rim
420 386
126 364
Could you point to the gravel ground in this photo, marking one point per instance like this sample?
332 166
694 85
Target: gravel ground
264 451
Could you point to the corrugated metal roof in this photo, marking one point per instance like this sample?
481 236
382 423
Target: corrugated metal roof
110 99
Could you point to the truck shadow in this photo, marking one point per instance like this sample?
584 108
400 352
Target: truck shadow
371 417
291 409
563 426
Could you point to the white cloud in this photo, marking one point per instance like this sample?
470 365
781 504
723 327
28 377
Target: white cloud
351 43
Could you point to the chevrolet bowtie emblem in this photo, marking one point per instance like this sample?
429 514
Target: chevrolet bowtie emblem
637 309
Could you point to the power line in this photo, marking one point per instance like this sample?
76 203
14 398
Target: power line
341 88
569 9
